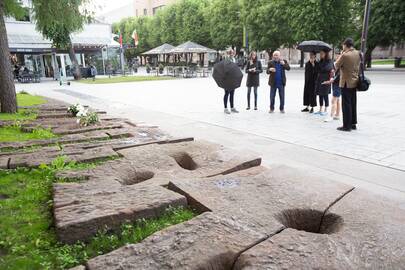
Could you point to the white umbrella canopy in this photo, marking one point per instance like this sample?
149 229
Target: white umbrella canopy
191 47
162 49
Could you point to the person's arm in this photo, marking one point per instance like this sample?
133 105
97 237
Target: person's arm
268 67
247 68
339 61
286 65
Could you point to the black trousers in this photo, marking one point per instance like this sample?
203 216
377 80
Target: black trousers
255 94
323 99
349 107
229 94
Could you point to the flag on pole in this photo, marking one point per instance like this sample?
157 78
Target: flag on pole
120 38
135 38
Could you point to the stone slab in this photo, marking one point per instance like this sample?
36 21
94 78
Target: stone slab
371 236
205 242
197 158
260 195
47 154
82 209
156 163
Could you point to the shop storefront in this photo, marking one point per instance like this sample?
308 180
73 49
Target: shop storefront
30 51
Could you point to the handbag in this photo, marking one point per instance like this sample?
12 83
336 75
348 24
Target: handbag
364 82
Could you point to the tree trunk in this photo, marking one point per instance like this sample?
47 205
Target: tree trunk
367 57
8 99
76 70
302 59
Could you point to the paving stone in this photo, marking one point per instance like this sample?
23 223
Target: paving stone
4 161
187 159
370 236
83 209
75 128
205 242
80 267
47 154
260 195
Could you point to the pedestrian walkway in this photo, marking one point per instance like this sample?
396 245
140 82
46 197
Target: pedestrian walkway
373 156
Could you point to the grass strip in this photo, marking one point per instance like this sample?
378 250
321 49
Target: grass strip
27 236
15 134
123 79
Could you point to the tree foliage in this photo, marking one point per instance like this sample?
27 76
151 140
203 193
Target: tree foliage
329 20
268 23
58 19
387 25
225 23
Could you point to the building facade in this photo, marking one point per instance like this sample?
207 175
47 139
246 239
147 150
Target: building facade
150 7
30 50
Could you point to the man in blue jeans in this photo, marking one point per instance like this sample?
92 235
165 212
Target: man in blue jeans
277 80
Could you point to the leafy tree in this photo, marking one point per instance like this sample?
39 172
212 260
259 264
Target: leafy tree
268 23
386 26
225 23
58 19
190 21
320 20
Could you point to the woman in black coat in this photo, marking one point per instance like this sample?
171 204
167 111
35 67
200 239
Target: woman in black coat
253 69
324 79
309 87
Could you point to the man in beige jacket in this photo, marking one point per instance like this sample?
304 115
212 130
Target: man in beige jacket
349 65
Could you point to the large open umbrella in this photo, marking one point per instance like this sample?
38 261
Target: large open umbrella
191 47
227 75
163 49
313 46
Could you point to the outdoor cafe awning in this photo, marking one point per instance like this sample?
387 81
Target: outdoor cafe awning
191 47
162 49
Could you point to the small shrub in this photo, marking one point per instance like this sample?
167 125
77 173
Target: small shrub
88 119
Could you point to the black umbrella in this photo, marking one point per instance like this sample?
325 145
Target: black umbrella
313 46
227 75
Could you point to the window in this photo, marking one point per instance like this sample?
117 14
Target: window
145 11
155 9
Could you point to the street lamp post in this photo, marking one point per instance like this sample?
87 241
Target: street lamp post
365 26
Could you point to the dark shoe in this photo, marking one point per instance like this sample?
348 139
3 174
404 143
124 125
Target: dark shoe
248 108
312 110
282 111
344 129
354 127
255 108
305 110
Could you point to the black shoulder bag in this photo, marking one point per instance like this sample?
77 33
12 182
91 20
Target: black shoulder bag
364 82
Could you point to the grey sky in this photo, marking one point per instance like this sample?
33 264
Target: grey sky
108 5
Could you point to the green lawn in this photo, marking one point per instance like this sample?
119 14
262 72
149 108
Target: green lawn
24 99
27 236
121 79
14 134
383 62
24 114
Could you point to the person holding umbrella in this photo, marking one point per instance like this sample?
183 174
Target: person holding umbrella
324 80
253 69
228 76
277 79
309 88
